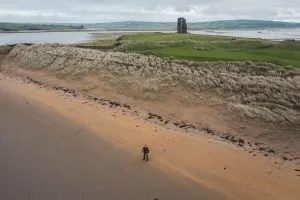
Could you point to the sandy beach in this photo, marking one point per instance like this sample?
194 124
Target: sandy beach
45 155
57 146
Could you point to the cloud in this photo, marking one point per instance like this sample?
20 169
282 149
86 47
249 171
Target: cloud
91 11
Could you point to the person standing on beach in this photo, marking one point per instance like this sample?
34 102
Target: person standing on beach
146 151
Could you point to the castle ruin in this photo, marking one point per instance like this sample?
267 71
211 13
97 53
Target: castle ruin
181 25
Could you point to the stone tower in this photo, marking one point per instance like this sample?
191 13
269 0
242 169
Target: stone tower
181 25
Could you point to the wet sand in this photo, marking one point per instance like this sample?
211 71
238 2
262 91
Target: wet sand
60 147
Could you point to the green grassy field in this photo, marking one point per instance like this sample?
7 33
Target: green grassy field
206 48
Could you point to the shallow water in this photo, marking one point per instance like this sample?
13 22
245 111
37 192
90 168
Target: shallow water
51 37
271 34
44 37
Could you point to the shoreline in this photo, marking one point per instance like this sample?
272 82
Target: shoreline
204 31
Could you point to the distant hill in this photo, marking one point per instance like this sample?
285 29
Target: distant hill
36 27
243 24
226 24
149 26
134 25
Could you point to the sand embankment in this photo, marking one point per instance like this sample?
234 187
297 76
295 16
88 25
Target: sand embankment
259 101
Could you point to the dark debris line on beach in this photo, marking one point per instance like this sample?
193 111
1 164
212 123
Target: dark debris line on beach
238 141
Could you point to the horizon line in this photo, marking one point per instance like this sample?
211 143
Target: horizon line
130 21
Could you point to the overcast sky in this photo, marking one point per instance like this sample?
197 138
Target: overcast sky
91 11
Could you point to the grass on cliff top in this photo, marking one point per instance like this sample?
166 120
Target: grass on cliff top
207 48
103 41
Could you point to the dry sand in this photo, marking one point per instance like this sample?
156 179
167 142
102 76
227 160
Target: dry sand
197 164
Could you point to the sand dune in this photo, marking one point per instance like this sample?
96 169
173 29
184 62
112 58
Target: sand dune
255 101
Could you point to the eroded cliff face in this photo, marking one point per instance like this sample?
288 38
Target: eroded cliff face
5 49
254 90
